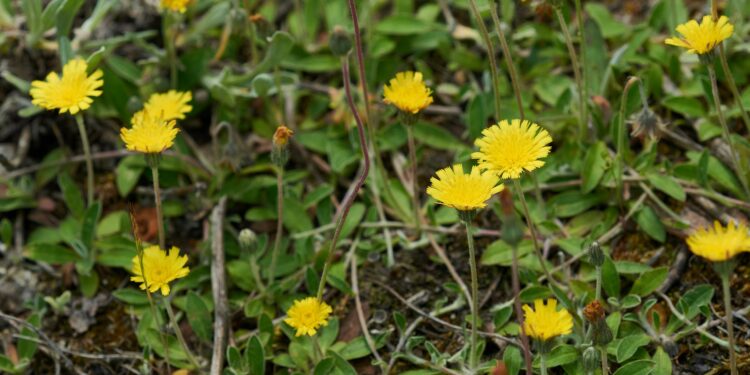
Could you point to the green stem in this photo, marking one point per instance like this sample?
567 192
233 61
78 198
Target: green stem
473 355
317 350
621 140
490 54
605 364
582 46
157 199
168 33
733 86
414 182
725 129
519 311
279 223
152 305
508 61
178 332
599 283
543 363
582 125
729 319
532 229
89 160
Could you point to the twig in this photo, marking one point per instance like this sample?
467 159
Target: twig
452 270
218 287
358 303
51 344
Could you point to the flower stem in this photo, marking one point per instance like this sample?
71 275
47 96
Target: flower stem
153 160
352 194
414 182
508 61
543 363
729 319
532 229
89 160
473 355
152 305
178 332
490 54
582 122
519 312
279 223
621 140
725 129
168 33
733 86
599 283
605 364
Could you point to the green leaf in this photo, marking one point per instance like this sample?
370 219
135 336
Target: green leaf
512 358
640 367
594 166
649 281
51 253
356 213
662 363
403 25
668 185
358 347
296 218
437 137
199 317
629 345
610 278
255 356
610 26
71 195
65 16
534 292
88 226
690 107
562 355
692 301
131 296
88 283
650 223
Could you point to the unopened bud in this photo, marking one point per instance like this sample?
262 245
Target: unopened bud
340 43
263 28
596 255
591 360
279 153
282 135
247 239
600 333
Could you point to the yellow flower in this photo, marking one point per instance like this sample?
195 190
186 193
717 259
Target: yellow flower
149 134
159 268
718 244
464 192
175 5
307 315
546 322
281 136
509 148
702 38
408 92
70 92
171 105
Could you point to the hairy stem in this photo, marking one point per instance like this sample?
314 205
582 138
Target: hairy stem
730 321
157 201
621 140
582 122
279 223
490 54
519 312
414 181
89 160
508 61
349 198
168 32
725 130
178 332
473 355
532 229
733 86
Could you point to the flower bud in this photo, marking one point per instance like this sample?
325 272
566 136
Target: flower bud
596 255
600 333
340 43
279 153
247 239
591 359
281 136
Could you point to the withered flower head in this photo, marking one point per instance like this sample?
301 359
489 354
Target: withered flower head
593 311
646 124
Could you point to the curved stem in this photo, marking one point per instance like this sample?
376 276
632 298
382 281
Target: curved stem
733 86
490 54
730 322
157 200
349 198
725 129
178 332
414 182
576 73
473 355
279 223
168 33
621 139
532 229
89 160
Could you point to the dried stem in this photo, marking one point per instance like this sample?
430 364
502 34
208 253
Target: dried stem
219 288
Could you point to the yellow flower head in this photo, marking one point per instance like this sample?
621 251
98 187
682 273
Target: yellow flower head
171 105
70 92
149 134
464 192
702 38
307 315
281 136
408 92
545 321
175 5
509 148
159 268
718 244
